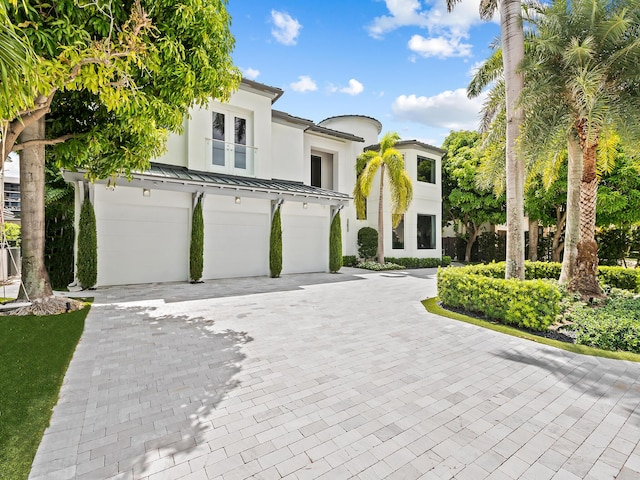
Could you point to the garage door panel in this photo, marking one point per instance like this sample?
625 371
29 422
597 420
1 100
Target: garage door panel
142 244
305 243
236 244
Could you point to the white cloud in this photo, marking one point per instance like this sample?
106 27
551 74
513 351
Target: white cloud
441 47
445 30
403 13
304 84
448 109
286 29
250 73
354 88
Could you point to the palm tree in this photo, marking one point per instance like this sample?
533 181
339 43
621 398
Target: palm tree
583 76
367 165
513 53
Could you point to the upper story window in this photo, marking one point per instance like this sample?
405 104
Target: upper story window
321 170
426 170
230 147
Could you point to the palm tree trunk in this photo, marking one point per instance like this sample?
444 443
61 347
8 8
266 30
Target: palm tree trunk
585 280
35 279
513 53
572 228
533 239
381 218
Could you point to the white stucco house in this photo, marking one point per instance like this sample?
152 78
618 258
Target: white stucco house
244 157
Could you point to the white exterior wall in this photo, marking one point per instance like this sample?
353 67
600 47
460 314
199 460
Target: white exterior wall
142 239
236 237
286 151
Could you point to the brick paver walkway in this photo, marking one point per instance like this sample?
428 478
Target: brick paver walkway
348 377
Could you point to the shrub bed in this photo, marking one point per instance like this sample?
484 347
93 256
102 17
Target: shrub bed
411 262
531 304
612 326
616 277
378 267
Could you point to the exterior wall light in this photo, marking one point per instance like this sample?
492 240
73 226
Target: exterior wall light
146 192
238 200
305 205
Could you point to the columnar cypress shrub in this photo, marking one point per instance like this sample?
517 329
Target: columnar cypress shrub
87 246
275 245
196 249
335 244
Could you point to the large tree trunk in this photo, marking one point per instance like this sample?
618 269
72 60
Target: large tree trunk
35 279
572 228
512 55
585 280
533 239
381 218
473 236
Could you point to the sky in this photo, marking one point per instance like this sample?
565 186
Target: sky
406 63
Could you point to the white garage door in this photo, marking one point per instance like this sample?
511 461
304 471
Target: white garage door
236 237
305 241
142 240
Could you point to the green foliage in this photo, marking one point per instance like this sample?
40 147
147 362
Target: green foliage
349 260
275 245
463 200
613 245
196 249
123 77
620 277
59 227
410 262
367 242
613 326
379 267
492 247
87 246
614 277
335 244
531 304
34 353
12 232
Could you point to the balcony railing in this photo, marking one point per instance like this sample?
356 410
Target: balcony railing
231 158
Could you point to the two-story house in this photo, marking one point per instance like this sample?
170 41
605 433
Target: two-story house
244 158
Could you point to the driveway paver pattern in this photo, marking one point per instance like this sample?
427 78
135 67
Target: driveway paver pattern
328 376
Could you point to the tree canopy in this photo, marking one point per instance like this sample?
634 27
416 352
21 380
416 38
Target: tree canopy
462 199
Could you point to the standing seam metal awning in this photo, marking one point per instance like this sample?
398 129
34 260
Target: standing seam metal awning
169 177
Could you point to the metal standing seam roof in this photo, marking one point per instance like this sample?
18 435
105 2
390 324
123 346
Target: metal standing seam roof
218 179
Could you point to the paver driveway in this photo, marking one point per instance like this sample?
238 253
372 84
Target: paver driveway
346 377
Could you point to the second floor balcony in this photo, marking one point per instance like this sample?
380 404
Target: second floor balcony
231 158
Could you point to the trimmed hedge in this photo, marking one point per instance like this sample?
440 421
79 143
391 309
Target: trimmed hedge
368 243
617 277
349 260
410 262
531 304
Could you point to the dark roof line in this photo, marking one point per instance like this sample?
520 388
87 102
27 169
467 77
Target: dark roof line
274 92
409 143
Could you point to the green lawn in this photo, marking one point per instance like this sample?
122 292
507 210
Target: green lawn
34 355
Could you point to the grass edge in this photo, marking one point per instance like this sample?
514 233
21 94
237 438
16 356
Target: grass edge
431 305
